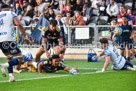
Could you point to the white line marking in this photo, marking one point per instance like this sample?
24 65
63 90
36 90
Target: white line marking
56 76
90 68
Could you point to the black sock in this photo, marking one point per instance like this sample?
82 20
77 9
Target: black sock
128 59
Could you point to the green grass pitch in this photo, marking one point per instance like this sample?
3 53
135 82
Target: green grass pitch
87 80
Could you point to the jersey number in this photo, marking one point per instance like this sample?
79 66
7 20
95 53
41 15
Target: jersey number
1 22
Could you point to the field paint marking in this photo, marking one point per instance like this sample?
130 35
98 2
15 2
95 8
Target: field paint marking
90 68
56 76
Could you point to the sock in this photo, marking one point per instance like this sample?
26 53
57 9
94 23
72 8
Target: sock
12 62
6 65
34 64
124 57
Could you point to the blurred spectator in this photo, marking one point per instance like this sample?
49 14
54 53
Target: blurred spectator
18 9
72 3
102 8
61 26
41 7
50 15
63 8
87 3
76 21
122 12
32 3
129 11
95 4
48 2
54 4
68 10
107 2
68 18
35 12
78 6
112 10
20 2
87 12
27 10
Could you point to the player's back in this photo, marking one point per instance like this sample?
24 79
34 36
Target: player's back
27 56
6 26
117 60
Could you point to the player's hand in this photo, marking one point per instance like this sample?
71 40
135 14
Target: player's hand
130 37
76 69
94 57
27 40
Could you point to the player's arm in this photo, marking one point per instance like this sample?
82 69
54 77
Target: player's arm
40 67
20 27
106 64
97 56
115 33
68 69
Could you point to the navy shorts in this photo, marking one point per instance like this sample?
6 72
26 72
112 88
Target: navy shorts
123 44
9 47
127 64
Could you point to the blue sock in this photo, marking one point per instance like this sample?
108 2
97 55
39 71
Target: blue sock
12 62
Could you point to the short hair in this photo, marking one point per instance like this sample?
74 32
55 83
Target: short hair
104 40
55 56
103 0
123 6
58 14
53 22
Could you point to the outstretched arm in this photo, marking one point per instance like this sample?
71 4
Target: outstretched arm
106 64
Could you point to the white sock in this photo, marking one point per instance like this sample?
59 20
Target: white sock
6 64
34 64
10 74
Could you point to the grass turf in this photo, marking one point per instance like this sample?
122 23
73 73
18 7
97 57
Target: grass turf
109 81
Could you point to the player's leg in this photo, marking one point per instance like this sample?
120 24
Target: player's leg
38 54
129 66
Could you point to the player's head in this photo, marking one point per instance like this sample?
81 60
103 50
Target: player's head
122 9
53 24
124 19
104 43
55 60
4 6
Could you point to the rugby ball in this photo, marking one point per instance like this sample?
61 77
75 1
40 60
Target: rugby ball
118 30
73 72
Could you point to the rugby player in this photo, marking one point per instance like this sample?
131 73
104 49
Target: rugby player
51 38
8 43
51 65
118 62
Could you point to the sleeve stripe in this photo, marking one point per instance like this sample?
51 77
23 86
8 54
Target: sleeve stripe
60 37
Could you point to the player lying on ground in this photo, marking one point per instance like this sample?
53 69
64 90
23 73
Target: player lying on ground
8 43
52 65
118 62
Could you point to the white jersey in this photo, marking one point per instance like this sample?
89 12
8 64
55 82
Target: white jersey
27 56
116 59
6 26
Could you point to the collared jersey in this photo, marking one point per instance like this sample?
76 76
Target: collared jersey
48 66
6 26
116 59
119 18
52 36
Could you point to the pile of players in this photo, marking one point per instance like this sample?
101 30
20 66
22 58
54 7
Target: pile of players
52 45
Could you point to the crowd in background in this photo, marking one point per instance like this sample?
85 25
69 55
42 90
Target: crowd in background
72 12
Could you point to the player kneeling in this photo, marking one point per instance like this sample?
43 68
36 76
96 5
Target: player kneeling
118 62
52 65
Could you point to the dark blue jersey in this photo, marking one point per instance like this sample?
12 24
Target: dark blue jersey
126 31
48 68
